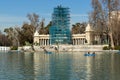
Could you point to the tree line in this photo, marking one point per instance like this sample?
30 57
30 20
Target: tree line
104 17
20 36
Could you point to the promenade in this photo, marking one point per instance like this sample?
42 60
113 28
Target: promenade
67 48
64 48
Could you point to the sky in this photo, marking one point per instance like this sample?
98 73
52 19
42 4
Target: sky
14 12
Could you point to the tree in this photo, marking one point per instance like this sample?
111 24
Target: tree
112 5
47 27
28 30
34 19
115 24
12 36
4 41
98 20
42 27
78 28
101 17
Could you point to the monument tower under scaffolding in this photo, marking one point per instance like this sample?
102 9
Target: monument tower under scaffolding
60 30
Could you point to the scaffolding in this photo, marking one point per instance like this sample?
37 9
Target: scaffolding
60 30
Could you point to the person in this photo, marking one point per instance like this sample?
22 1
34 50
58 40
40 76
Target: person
56 48
93 52
88 52
44 49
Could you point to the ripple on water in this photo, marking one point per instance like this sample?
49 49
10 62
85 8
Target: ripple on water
62 66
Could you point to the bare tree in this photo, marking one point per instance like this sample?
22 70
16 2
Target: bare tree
12 35
111 5
42 26
34 21
98 19
101 17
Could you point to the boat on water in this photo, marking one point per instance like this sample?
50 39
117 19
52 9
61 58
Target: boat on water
89 54
47 52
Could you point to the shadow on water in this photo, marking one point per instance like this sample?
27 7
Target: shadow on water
59 66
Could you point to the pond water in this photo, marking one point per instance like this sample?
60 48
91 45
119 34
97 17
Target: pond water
59 66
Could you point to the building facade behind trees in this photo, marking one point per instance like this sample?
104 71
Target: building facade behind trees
59 32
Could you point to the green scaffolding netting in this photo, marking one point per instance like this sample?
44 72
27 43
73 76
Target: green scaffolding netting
60 29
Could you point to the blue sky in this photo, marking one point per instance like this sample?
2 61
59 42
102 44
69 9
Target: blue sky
14 12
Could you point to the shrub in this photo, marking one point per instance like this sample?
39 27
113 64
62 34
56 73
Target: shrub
117 47
106 48
14 48
27 43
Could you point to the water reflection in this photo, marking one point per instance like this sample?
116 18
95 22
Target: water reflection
59 66
41 66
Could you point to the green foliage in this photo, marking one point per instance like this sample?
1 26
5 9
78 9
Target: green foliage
27 43
12 35
117 47
44 29
36 44
14 48
47 27
106 48
4 41
95 42
78 28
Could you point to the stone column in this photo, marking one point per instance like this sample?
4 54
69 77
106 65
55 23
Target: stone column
45 41
39 41
79 41
48 42
84 40
76 41
73 41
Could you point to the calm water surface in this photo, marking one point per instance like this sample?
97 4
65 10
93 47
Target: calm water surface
62 66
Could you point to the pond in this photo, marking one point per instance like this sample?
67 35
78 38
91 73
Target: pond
59 66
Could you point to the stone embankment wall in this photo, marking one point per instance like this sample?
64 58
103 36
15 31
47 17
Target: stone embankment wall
3 48
59 48
70 48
